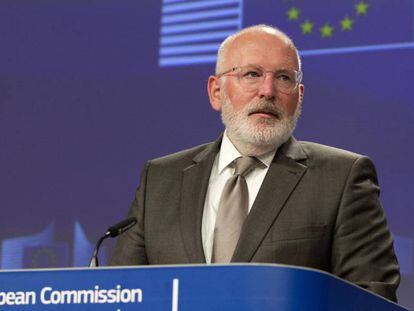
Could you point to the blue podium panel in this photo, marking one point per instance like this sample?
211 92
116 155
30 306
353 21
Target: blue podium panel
184 288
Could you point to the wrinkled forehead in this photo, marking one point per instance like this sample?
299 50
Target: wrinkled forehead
267 50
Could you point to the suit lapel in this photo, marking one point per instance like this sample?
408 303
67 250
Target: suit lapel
281 179
193 192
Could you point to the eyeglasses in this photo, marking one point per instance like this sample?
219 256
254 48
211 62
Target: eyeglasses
252 77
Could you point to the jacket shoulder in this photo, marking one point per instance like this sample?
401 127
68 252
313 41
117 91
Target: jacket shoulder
335 160
324 152
184 156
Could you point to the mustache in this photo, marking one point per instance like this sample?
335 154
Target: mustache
265 107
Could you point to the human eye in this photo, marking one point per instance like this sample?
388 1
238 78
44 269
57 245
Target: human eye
252 73
285 77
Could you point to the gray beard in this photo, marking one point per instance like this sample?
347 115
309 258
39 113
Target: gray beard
257 137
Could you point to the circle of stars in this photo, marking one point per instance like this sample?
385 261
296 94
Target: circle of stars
327 29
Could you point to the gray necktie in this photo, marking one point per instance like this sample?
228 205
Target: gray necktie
232 211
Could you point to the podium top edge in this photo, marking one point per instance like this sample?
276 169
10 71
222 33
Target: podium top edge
205 265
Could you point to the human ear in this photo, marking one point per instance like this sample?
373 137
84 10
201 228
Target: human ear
301 92
213 88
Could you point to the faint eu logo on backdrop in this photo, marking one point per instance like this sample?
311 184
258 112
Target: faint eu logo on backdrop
41 250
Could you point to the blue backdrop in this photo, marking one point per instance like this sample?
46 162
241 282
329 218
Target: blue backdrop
89 90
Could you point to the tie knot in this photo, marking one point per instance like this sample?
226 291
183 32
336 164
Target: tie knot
243 165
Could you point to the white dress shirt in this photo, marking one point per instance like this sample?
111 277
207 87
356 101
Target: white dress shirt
222 170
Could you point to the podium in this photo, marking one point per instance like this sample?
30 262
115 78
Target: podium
238 287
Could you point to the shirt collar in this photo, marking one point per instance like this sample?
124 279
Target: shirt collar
267 158
229 153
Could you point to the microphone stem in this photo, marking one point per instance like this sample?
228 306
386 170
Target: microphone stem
94 260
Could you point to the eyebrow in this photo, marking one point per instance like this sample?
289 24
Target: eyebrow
277 70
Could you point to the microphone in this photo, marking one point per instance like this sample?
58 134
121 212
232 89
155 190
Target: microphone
121 227
112 232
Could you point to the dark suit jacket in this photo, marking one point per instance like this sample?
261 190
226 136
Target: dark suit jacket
317 207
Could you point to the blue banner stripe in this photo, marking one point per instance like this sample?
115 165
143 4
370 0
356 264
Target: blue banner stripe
357 49
175 1
199 15
181 7
187 60
195 37
199 26
195 48
199 59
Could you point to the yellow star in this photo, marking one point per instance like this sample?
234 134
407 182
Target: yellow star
361 8
326 30
346 24
307 27
293 14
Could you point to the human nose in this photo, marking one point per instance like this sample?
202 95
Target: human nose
267 88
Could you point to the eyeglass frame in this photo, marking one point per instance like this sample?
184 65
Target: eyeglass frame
298 74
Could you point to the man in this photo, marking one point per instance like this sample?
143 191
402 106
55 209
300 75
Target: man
296 203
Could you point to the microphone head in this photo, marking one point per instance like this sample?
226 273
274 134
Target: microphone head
121 227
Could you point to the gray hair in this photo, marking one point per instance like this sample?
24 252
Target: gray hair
263 28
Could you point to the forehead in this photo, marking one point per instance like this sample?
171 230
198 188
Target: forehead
260 48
